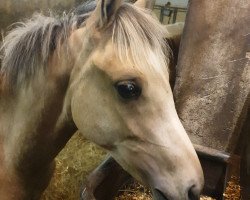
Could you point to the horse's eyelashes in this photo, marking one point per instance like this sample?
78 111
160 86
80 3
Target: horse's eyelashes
128 90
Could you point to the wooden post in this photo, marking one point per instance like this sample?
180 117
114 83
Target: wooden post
213 73
213 78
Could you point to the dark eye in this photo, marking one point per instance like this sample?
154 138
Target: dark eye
128 89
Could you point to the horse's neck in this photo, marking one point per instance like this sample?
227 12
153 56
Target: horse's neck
36 118
1 84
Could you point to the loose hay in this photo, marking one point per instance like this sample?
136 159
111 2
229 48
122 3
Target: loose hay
136 191
206 198
233 190
76 160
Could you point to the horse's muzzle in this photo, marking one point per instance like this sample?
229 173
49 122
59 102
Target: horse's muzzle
192 194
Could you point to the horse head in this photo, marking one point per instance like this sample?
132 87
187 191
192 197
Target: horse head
120 98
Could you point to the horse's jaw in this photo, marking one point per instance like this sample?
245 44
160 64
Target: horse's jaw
161 168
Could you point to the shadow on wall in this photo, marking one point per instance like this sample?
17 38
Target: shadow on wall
14 11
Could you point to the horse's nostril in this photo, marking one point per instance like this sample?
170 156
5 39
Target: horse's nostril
193 193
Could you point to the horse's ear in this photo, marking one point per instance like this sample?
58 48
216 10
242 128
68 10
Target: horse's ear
149 4
140 3
105 12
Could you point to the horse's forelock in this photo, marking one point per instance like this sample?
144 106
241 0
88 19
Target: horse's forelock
136 34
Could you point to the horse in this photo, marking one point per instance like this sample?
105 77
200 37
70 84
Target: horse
102 72
106 180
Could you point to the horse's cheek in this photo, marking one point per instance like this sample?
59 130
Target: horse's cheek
94 118
83 115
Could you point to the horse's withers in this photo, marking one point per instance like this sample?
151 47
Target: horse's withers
143 133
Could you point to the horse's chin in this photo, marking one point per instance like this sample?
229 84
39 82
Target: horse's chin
158 195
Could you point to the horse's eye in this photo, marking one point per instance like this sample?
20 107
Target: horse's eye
128 90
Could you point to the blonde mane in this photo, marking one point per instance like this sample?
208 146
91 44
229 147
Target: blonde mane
137 36
28 46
